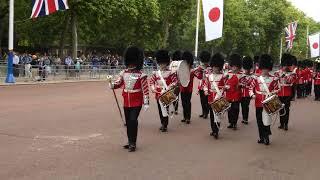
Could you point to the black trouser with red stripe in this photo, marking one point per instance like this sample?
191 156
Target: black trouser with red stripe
233 113
284 113
214 126
301 90
131 115
309 88
164 120
317 92
186 104
204 103
264 131
245 103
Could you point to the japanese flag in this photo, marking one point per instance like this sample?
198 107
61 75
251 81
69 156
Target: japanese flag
314 41
213 18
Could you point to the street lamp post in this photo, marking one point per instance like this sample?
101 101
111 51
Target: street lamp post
10 77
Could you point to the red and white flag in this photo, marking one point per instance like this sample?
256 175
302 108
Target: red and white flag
213 18
314 41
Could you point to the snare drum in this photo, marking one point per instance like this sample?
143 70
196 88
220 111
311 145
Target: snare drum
169 96
183 71
272 104
220 105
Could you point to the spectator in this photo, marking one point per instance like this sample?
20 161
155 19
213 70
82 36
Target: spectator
26 59
16 61
78 68
68 62
95 66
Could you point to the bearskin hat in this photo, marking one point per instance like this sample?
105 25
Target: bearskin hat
309 63
205 56
300 64
176 56
217 60
134 56
256 59
294 61
266 62
286 59
317 62
235 60
162 57
247 63
187 56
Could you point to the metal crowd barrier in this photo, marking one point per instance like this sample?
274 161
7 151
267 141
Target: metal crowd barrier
24 73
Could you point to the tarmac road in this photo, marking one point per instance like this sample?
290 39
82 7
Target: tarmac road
72 131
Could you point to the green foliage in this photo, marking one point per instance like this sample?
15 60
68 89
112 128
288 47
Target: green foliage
250 26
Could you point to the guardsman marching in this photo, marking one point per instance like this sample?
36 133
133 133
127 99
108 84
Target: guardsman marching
204 59
214 88
245 83
135 92
176 56
161 81
233 92
286 79
263 86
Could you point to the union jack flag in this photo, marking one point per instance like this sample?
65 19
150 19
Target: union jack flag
290 34
46 7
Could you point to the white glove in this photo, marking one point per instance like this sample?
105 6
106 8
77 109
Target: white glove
111 86
253 96
145 107
227 87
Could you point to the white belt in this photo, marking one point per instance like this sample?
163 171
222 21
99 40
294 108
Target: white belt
262 93
285 84
132 91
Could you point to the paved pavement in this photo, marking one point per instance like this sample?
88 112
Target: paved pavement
72 131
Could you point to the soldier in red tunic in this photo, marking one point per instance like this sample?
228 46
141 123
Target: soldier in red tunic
135 92
177 56
245 83
286 79
204 69
233 92
301 78
214 89
161 81
309 72
186 92
262 87
317 80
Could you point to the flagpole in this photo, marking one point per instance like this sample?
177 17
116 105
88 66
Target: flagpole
307 52
10 77
197 30
281 46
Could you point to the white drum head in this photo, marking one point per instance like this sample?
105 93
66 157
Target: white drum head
183 71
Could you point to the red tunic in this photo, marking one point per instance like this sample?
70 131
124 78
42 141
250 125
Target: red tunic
258 89
135 88
301 79
285 81
317 78
205 75
233 93
245 83
198 73
157 85
257 70
209 86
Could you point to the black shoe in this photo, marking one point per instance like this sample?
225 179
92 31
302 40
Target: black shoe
164 129
235 127
161 128
201 115
188 121
245 122
183 120
205 117
132 148
280 127
212 134
126 146
266 141
286 127
260 141
216 135
176 112
230 126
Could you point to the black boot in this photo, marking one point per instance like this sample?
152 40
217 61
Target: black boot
132 148
267 141
164 129
286 127
183 120
205 116
201 115
245 121
281 126
260 141
188 121
126 146
230 126
216 135
235 127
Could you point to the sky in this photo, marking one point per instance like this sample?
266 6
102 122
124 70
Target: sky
310 7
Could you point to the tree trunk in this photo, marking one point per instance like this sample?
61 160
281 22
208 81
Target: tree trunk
74 35
166 27
63 36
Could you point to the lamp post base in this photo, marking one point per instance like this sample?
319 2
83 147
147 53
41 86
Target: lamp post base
10 78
